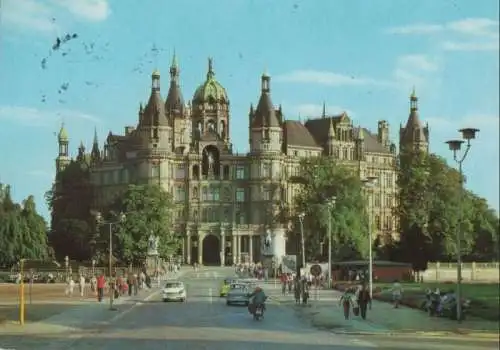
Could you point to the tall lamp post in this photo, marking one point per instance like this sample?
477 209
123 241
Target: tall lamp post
468 134
330 205
302 242
369 183
100 221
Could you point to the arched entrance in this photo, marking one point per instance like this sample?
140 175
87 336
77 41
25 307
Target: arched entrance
211 250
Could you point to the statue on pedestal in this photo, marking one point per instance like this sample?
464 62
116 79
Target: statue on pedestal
153 242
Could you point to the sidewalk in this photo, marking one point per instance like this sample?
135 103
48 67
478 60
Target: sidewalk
87 314
382 318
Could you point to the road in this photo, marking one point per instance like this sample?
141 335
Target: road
206 322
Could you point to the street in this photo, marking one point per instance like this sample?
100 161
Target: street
206 322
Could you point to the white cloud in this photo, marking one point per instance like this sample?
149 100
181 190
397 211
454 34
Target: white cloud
30 14
491 45
414 70
418 28
36 117
40 16
311 110
469 34
91 10
486 123
326 78
41 173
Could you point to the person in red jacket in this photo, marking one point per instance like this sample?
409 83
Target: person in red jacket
101 282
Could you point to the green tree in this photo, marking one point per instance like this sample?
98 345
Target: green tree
23 232
148 210
321 180
70 201
486 232
433 206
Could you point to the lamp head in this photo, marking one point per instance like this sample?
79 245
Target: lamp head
97 215
122 217
455 145
468 133
302 215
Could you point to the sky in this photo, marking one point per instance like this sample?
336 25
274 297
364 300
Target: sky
359 56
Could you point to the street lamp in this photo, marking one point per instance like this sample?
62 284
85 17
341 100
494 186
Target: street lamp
303 246
369 183
330 204
121 217
468 134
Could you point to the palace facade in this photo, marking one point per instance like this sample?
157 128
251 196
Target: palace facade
225 202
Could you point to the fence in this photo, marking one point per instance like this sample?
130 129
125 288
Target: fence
471 272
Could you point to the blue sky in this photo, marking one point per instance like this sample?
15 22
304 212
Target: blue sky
359 56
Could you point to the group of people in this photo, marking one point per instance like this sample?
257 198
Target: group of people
358 299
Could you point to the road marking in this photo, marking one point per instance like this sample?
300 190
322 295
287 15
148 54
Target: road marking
137 304
210 295
363 343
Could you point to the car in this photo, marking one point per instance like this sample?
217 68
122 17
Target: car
238 294
226 284
174 290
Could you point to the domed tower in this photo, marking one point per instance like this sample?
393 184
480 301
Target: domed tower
63 158
210 109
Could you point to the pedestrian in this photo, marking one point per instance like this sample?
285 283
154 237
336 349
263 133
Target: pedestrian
70 286
101 282
397 293
347 301
364 300
82 285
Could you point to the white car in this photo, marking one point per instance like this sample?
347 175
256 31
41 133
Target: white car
174 290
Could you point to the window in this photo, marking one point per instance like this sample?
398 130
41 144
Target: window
180 172
204 193
377 222
377 200
215 194
345 153
266 193
266 170
155 171
388 223
195 192
180 194
240 195
240 172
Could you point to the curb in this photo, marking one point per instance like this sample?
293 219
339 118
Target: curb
481 337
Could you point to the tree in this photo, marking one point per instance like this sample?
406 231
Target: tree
433 206
148 210
23 232
70 201
323 179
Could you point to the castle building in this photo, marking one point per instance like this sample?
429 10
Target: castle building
225 202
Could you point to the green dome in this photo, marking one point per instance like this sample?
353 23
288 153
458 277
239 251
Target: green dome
211 89
63 134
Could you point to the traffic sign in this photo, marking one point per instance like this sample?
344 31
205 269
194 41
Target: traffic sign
315 270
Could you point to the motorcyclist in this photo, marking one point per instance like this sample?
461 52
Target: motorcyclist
257 297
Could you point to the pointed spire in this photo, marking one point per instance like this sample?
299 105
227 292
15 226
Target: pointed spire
95 136
323 114
174 61
210 72
331 130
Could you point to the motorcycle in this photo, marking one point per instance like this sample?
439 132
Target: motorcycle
444 306
259 312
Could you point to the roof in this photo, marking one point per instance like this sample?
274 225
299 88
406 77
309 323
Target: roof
265 114
296 134
211 89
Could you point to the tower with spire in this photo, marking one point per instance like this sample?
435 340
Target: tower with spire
63 159
414 136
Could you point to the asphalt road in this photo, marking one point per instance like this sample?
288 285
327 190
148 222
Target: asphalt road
206 322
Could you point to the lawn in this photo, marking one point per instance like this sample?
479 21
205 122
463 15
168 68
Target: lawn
484 296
